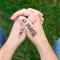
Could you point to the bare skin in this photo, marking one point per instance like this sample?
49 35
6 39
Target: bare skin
33 28
40 40
16 37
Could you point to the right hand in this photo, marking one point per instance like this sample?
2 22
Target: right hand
33 30
17 34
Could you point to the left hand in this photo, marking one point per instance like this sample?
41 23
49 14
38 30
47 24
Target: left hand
33 27
15 38
17 34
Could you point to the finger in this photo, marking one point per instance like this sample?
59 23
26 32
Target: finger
34 10
28 26
18 28
23 12
16 14
37 12
21 26
33 18
42 19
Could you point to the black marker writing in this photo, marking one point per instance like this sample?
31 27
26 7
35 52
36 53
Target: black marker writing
21 31
32 31
24 21
30 28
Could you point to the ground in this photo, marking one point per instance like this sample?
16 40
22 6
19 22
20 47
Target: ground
51 11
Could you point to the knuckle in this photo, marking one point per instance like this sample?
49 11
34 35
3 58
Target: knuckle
29 8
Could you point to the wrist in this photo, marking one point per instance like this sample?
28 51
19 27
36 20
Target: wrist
40 40
40 36
45 50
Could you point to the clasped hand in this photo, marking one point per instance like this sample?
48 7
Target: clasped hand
27 22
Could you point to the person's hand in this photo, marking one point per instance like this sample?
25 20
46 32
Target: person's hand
17 34
36 20
33 30
36 34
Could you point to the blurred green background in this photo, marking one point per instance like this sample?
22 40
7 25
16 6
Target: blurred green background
51 11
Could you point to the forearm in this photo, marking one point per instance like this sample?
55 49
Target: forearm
44 48
8 49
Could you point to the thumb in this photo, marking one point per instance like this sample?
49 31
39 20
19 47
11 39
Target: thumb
29 27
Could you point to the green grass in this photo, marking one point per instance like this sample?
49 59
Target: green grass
51 11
